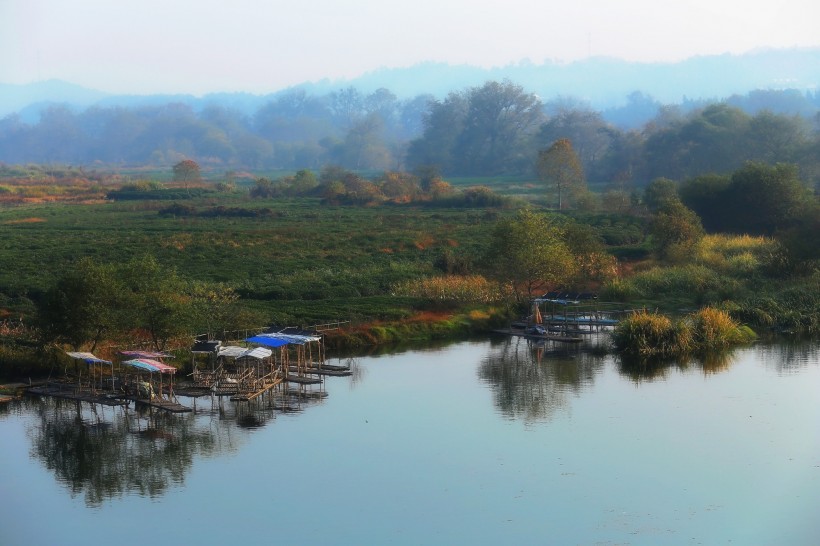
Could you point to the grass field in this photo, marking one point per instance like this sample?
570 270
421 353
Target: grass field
299 253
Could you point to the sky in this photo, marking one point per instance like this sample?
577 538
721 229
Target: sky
261 46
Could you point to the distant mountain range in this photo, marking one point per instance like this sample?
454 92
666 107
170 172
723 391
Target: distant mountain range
601 82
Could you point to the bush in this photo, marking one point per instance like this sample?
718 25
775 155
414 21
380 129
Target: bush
651 334
714 329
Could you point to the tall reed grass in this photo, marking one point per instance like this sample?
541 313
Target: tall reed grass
648 334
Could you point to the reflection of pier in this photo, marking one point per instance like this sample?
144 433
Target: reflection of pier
531 334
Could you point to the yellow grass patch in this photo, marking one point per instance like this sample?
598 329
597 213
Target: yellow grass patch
32 220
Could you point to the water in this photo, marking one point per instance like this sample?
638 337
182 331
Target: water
475 443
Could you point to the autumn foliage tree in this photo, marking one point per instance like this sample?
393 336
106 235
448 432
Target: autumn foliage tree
559 167
187 171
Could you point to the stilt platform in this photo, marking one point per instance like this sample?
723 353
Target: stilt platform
246 396
67 391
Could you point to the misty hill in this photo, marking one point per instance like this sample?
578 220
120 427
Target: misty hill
603 83
466 123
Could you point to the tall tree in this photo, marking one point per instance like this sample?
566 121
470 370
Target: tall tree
160 300
559 167
500 121
443 122
187 171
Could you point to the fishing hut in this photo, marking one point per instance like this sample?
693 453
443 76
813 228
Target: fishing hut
302 353
97 386
152 381
246 373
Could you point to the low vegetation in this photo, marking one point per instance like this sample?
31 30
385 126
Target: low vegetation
394 256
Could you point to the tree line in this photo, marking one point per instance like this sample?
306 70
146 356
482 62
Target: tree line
496 128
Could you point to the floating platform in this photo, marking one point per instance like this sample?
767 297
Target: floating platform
541 337
67 391
302 380
335 371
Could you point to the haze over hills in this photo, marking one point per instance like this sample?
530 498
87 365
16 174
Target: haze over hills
601 82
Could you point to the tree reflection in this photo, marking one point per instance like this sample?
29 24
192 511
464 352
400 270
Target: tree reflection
103 452
532 381
106 455
789 355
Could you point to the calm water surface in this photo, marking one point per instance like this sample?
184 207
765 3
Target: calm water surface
476 443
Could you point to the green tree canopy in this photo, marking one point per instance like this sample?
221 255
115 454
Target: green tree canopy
659 192
528 251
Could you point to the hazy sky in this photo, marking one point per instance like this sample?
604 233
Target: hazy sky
198 46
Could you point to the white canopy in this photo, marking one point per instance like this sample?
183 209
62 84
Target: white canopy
232 351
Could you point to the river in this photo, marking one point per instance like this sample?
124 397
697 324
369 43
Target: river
483 442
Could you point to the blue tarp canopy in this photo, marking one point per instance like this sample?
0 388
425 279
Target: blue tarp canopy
88 358
268 341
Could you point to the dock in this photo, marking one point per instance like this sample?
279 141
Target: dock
68 391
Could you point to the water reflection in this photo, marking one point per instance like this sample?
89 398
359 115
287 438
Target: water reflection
640 369
789 355
785 356
532 381
105 452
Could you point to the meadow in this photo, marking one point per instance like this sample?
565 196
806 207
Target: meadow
294 259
